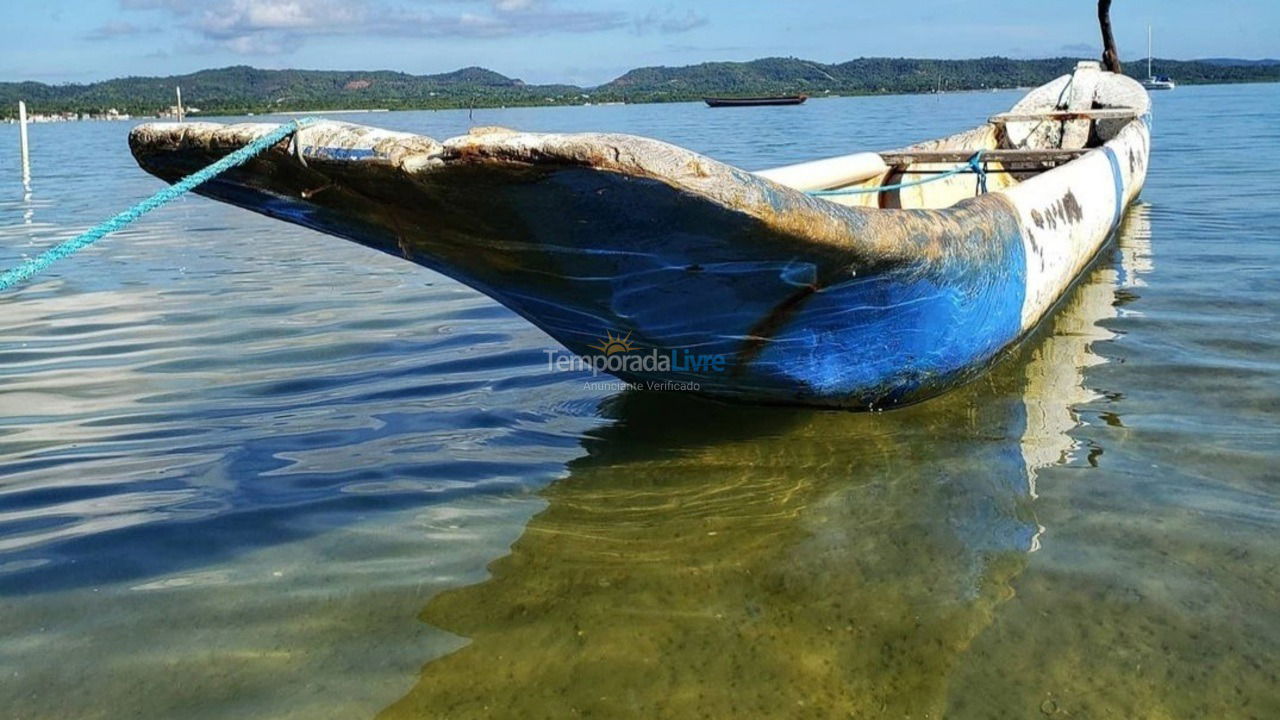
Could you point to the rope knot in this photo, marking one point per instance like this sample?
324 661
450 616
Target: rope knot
979 168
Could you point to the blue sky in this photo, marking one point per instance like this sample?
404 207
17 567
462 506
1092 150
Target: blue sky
591 41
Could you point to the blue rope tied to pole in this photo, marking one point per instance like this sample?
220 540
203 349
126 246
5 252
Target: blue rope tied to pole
974 165
26 270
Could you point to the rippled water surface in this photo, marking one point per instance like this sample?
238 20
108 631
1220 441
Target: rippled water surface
247 470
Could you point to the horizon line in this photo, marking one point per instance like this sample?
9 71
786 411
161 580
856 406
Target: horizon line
639 67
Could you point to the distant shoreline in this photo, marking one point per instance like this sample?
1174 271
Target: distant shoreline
673 101
695 101
363 111
351 111
243 90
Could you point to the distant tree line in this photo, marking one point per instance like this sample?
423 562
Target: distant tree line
242 89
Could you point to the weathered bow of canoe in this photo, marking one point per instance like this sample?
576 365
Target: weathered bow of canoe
750 289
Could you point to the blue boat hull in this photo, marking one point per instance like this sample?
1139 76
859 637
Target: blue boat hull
674 271
707 299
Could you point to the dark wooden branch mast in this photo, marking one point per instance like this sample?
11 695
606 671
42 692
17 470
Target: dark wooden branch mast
1110 58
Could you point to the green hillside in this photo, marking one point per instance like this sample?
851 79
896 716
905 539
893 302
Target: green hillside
894 75
242 89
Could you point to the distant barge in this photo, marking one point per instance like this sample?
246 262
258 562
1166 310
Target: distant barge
755 101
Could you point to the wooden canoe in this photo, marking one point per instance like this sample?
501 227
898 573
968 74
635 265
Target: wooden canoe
755 101
752 287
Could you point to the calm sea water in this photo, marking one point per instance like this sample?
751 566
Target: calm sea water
247 470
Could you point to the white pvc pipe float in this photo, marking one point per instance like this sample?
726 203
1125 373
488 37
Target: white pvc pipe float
22 135
828 173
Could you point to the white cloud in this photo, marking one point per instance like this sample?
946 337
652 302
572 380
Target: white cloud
261 44
112 30
669 21
238 18
513 5
269 27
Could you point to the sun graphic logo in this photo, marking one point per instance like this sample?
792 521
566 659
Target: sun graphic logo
612 344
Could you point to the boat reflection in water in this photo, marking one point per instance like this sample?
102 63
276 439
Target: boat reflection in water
705 560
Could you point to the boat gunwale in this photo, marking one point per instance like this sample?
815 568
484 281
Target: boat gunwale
871 233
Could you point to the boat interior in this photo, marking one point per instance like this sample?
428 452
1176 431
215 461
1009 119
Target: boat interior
1052 125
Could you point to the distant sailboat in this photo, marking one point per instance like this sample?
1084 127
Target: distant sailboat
1153 82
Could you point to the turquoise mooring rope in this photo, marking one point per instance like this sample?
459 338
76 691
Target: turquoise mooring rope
974 165
36 264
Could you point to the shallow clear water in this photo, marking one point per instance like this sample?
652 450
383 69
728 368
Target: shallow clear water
247 470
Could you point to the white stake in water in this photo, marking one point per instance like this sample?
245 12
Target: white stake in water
180 113
22 135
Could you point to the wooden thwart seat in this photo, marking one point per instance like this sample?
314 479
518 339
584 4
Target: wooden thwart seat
1096 114
911 157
